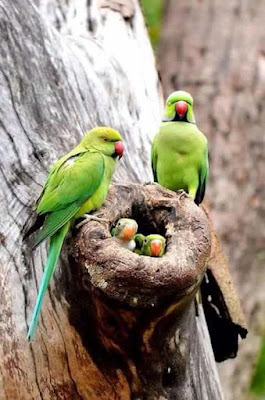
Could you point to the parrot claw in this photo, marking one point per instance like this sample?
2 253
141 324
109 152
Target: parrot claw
182 194
88 217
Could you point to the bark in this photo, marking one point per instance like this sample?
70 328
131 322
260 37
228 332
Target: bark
215 50
65 67
222 308
141 308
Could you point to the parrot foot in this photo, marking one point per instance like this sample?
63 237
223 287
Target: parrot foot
88 217
182 194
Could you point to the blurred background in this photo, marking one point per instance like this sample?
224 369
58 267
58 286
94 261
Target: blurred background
216 50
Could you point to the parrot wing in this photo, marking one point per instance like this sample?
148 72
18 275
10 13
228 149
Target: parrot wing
54 168
74 181
203 173
72 184
48 186
154 159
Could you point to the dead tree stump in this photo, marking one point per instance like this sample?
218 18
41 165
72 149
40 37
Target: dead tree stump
136 313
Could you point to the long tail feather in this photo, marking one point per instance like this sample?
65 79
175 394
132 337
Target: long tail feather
56 243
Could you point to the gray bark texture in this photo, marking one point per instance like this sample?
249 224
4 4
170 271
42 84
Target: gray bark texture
215 50
65 67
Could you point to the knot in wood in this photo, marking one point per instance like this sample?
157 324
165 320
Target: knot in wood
142 281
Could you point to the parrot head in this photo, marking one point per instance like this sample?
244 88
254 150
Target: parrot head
125 229
179 107
154 246
139 241
104 139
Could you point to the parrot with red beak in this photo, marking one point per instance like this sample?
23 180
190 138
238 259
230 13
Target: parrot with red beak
124 232
179 150
77 184
153 246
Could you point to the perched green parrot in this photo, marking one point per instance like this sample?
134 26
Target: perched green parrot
77 184
124 232
179 150
139 241
154 246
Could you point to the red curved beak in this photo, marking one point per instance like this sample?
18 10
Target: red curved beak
119 148
181 108
155 246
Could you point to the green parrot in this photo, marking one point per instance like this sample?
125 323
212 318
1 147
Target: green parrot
154 246
124 232
179 150
139 241
77 184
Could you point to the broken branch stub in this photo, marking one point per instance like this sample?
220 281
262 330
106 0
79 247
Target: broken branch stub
141 281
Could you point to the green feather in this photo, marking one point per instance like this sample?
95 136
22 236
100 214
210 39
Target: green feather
139 241
146 248
203 174
54 221
74 181
180 157
69 186
54 252
78 183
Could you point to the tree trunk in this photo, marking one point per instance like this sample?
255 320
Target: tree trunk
216 51
67 66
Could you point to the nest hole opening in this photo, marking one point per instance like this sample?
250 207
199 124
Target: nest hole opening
147 223
144 216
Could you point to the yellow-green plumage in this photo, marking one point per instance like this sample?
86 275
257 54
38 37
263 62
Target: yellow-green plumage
151 245
78 183
124 232
149 241
179 151
139 241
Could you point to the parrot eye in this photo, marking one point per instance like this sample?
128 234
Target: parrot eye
105 139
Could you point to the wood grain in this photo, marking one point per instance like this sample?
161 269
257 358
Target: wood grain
65 67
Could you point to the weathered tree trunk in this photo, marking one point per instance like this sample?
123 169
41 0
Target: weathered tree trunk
142 309
64 68
216 51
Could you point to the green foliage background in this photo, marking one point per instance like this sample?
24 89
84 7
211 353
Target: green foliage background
153 12
257 387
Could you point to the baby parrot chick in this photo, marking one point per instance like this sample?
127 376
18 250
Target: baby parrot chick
179 150
154 246
78 183
124 232
139 241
